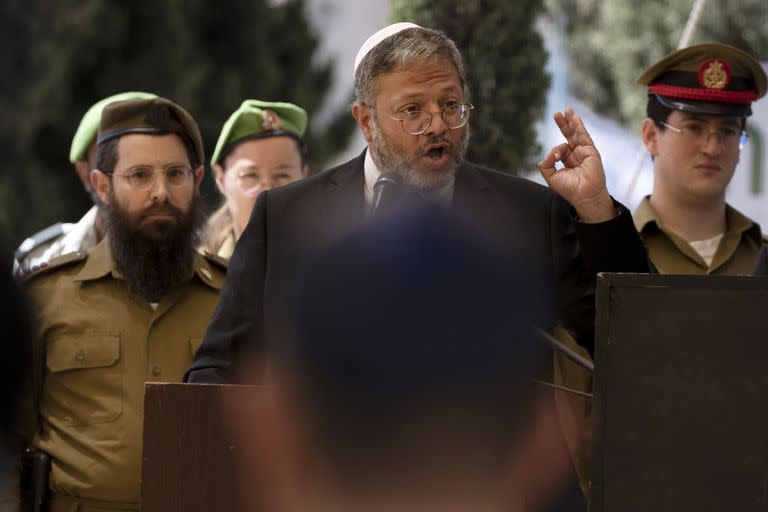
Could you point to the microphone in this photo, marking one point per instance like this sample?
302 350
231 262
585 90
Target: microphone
388 191
568 352
571 354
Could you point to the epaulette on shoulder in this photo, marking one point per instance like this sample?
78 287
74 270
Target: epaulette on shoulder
217 260
41 237
765 238
53 264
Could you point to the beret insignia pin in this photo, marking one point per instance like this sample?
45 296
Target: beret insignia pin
715 74
270 122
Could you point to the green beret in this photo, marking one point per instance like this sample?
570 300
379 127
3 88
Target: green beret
150 116
256 119
89 124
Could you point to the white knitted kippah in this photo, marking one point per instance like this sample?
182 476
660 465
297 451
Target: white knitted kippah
378 37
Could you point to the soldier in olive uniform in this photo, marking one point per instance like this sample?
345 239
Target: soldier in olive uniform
698 101
64 237
131 310
261 146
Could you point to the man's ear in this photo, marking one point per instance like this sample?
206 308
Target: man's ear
650 133
364 118
101 184
198 173
218 177
305 171
82 170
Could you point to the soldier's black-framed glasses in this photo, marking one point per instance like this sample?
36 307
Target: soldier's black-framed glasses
145 177
416 122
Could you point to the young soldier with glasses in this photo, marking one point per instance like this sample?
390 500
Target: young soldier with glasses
698 101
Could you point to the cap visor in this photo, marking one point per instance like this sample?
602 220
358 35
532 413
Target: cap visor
705 107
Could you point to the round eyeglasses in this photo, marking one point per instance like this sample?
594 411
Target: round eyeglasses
699 133
248 178
416 122
144 178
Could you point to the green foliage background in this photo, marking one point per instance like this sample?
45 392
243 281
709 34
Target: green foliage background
612 42
504 58
60 56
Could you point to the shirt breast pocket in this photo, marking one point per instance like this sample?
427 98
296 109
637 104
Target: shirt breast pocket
84 382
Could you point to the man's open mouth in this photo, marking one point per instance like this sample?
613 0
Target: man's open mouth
436 152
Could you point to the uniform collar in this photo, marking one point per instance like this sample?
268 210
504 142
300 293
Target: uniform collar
735 221
206 273
227 246
644 214
101 263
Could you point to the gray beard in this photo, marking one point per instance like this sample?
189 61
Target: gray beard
389 159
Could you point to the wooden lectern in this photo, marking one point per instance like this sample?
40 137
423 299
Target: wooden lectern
188 455
681 394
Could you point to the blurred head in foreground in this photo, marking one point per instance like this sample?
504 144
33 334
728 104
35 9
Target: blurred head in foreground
408 382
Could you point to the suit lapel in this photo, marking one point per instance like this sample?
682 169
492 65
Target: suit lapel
345 194
471 191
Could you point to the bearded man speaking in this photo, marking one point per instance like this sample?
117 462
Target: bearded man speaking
133 309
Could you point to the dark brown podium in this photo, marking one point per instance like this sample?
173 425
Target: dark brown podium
681 394
188 462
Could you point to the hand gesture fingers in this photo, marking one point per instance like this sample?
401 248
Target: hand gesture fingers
573 129
548 166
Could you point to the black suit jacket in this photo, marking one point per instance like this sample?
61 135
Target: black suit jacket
761 269
289 222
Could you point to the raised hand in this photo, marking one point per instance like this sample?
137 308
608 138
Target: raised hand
582 180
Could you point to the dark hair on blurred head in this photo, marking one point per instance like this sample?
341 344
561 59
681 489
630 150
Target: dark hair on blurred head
414 351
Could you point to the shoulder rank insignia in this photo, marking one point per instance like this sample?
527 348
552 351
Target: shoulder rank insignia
55 263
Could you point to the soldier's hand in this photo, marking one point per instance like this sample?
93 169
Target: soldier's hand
581 181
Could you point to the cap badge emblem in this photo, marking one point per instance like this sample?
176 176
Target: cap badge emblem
270 122
714 74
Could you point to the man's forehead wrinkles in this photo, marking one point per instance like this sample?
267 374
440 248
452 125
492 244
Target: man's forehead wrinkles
412 91
417 95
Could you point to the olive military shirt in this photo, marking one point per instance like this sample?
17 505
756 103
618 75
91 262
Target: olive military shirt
98 345
736 254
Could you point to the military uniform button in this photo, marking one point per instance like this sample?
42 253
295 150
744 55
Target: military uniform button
155 370
80 355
